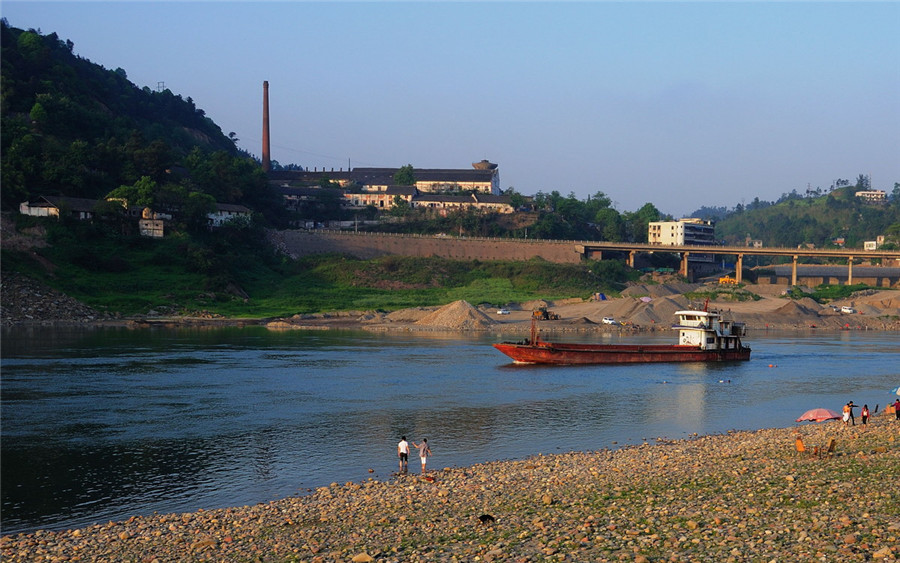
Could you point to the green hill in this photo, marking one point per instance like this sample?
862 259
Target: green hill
821 220
74 128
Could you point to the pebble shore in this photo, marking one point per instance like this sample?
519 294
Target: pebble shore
741 496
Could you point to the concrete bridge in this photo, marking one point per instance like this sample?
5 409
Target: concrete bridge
370 245
594 250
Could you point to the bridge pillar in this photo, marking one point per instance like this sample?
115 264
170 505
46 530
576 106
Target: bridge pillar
850 270
631 258
794 270
684 263
739 267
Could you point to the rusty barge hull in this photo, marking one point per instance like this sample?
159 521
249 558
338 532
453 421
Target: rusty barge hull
573 354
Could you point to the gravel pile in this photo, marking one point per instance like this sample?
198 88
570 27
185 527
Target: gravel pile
744 496
457 315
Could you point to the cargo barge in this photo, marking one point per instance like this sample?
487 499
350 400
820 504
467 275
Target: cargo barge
703 336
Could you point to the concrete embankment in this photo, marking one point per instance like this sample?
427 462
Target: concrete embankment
743 496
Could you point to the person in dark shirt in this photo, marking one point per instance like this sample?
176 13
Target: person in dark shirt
424 452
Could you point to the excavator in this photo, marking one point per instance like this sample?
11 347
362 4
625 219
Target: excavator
541 313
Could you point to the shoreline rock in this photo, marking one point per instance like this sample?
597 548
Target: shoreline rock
740 496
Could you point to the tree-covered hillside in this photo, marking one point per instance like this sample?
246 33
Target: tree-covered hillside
71 127
815 218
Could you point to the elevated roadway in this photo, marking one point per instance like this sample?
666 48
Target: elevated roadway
596 249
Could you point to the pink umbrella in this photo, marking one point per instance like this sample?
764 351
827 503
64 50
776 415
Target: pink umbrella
818 415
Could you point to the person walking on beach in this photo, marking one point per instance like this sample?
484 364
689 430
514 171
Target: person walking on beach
424 452
852 418
864 415
847 412
897 409
403 454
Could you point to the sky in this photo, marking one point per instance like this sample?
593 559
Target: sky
681 105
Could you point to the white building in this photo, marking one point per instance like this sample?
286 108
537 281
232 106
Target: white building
689 231
872 196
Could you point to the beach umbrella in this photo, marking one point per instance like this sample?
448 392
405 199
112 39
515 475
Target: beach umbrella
818 415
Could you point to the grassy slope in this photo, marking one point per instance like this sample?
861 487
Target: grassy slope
182 276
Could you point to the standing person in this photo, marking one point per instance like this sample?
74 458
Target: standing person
403 454
852 418
847 412
424 452
897 409
865 414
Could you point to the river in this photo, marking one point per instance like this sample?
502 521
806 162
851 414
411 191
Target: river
103 424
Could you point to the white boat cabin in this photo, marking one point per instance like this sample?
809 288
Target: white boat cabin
708 330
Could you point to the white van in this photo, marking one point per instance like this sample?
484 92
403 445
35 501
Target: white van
848 309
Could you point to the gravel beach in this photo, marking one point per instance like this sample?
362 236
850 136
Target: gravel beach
742 496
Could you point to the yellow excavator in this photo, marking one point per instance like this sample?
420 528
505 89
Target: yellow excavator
541 313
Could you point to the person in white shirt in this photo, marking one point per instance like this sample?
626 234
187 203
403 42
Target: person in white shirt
403 454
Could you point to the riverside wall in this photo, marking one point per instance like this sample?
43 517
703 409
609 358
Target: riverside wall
370 245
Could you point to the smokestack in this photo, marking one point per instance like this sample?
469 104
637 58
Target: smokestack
266 155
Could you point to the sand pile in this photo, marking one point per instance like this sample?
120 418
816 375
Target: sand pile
794 308
660 311
411 315
457 315
532 305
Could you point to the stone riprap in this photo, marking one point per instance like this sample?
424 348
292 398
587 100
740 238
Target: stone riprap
741 496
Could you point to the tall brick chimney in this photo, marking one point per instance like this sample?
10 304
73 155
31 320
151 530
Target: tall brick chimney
266 155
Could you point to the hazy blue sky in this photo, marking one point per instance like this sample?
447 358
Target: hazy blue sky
678 104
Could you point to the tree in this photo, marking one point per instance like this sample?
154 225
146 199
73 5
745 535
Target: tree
610 224
401 207
140 194
404 176
637 222
516 200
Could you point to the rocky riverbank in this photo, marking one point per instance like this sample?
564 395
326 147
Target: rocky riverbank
26 301
744 496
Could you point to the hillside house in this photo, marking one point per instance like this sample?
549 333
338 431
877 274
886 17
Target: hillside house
877 197
382 199
483 177
430 180
226 212
482 202
57 206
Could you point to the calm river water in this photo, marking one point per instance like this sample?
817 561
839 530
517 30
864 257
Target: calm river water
103 424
